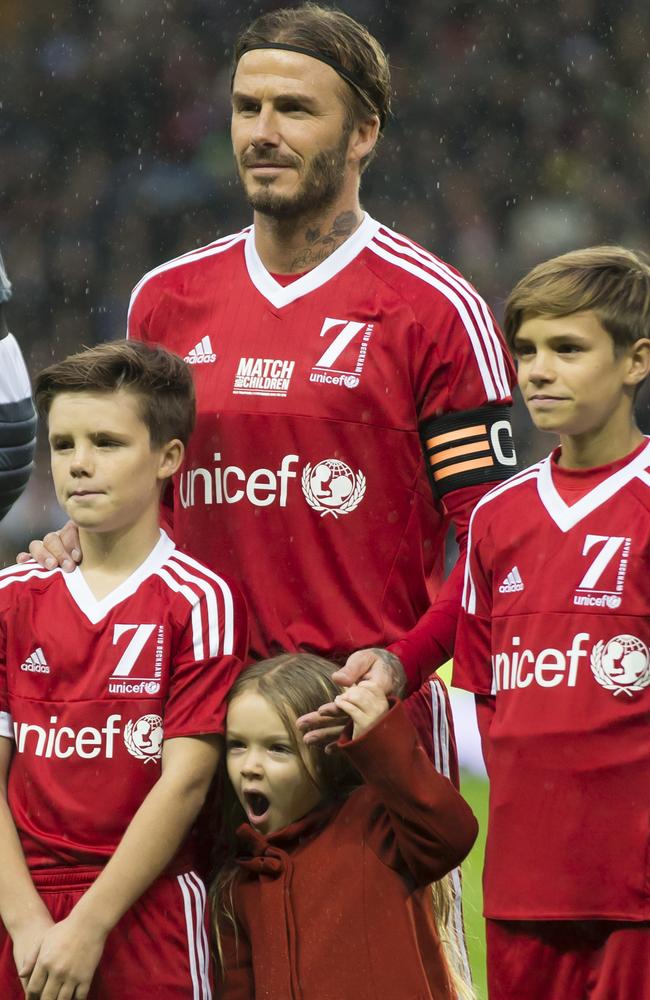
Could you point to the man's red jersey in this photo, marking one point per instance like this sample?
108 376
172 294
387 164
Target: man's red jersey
89 688
556 626
305 476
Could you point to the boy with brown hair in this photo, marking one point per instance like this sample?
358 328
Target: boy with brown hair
112 688
553 640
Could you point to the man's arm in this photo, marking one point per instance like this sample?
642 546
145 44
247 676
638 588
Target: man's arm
462 377
472 669
467 454
17 416
71 949
22 910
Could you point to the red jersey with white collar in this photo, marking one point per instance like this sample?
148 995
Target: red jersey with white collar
556 625
305 477
90 688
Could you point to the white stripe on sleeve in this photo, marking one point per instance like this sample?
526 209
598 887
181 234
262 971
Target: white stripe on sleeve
6 725
226 593
211 607
14 379
195 601
477 304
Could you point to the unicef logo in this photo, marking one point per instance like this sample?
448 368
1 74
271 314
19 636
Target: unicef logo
613 601
351 381
622 665
143 738
331 487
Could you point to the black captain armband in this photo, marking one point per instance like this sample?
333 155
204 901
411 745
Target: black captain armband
469 448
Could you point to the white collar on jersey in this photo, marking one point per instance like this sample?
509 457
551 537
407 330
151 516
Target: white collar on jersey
282 295
566 517
95 610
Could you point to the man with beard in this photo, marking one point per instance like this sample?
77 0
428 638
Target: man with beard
352 389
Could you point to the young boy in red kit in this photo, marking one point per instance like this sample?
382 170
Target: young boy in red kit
112 687
554 642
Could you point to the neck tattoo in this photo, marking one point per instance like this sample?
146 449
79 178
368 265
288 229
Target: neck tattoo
320 245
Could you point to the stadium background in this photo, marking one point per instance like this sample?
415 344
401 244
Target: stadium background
520 129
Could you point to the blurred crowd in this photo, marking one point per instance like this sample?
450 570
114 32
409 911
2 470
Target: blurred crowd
520 130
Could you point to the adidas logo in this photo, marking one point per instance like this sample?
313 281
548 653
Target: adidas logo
201 354
36 663
512 582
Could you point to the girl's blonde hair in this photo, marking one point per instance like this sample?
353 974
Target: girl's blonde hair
296 684
447 913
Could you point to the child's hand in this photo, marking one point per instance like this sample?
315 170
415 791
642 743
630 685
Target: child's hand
27 944
379 666
66 963
365 703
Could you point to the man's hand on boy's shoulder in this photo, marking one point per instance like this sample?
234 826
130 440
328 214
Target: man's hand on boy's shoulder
57 548
68 957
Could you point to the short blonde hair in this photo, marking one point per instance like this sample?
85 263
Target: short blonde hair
610 281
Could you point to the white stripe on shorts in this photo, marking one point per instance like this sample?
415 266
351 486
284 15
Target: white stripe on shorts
439 729
193 892
440 725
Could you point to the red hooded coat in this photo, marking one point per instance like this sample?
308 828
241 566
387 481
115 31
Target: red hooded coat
338 905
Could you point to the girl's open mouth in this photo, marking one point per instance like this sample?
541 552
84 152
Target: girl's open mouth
257 806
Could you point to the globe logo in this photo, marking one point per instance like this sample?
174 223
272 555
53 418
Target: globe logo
622 665
331 487
332 482
144 737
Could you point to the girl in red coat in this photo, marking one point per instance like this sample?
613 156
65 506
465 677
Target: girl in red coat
326 893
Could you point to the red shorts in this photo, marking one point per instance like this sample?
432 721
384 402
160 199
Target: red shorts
161 940
561 959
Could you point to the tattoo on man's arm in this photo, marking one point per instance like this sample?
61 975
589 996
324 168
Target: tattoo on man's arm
395 668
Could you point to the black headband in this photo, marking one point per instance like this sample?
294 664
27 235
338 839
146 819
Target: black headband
334 63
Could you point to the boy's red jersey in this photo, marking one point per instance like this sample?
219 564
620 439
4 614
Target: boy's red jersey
90 688
306 462
556 625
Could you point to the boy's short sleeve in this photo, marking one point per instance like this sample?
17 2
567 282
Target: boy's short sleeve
473 648
209 654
